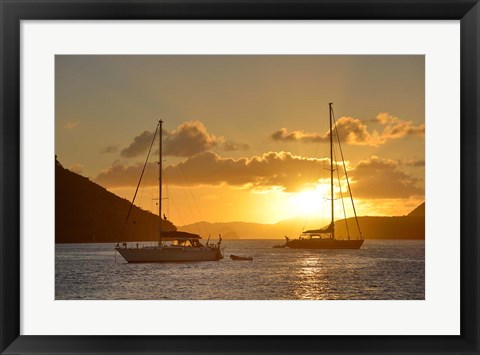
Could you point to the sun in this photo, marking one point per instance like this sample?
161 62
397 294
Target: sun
310 202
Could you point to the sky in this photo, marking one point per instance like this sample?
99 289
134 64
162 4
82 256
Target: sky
245 137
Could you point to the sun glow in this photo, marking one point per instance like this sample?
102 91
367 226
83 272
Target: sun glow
310 202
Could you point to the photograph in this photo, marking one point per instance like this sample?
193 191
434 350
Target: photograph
239 177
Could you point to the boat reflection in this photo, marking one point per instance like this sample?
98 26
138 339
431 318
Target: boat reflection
310 278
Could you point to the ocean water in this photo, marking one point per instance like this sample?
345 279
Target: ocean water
384 270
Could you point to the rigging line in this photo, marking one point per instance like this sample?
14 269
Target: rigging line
151 225
177 212
153 182
140 180
341 194
346 175
167 194
143 187
193 197
187 198
153 206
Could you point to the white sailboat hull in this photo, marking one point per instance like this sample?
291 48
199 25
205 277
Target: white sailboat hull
160 255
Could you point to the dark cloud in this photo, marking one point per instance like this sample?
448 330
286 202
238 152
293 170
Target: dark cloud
417 163
122 175
377 178
355 131
350 130
188 139
230 146
109 149
374 178
294 136
139 146
273 169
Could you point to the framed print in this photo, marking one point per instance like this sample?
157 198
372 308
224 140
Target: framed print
239 177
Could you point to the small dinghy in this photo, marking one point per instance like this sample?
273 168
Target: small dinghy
236 257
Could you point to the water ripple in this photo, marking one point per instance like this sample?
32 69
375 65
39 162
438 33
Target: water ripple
380 270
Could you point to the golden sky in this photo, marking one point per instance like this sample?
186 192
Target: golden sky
245 137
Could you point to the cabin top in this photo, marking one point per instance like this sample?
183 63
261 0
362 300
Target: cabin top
177 235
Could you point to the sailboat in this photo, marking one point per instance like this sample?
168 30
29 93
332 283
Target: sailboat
324 238
172 246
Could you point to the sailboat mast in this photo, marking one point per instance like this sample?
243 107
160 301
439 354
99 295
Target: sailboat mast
331 167
160 183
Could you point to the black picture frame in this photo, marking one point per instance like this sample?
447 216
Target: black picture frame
12 12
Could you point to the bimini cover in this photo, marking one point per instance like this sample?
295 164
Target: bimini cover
177 235
329 229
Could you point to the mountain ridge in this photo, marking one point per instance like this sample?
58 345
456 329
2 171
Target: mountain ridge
85 212
418 211
411 226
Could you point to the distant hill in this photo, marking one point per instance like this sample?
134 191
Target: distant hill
411 226
404 227
86 212
418 212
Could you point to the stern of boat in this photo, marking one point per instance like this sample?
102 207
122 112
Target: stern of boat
218 252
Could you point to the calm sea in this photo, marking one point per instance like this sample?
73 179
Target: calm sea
379 270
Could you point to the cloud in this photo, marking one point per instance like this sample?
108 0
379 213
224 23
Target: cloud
109 149
350 130
230 146
188 139
283 135
386 118
396 128
76 168
122 175
378 178
373 178
417 163
140 145
402 129
270 170
354 131
71 125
